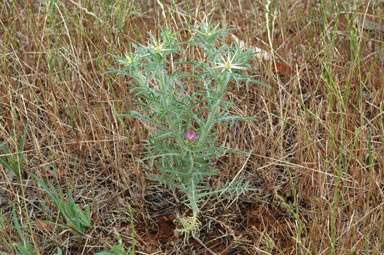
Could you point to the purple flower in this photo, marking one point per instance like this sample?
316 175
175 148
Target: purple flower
191 135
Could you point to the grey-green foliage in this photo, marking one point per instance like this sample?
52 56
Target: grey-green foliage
74 217
174 102
14 163
22 246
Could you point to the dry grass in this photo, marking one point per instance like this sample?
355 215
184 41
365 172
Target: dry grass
316 151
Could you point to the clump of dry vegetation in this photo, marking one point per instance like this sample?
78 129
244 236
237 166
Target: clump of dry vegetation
315 152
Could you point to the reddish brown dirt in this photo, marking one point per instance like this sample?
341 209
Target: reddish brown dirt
247 225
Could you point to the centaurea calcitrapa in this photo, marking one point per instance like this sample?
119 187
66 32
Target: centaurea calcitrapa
161 90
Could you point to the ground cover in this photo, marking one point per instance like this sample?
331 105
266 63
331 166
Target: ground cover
314 153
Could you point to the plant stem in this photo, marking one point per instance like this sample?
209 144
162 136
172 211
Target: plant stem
213 110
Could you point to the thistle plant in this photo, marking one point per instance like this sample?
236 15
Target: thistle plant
183 102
